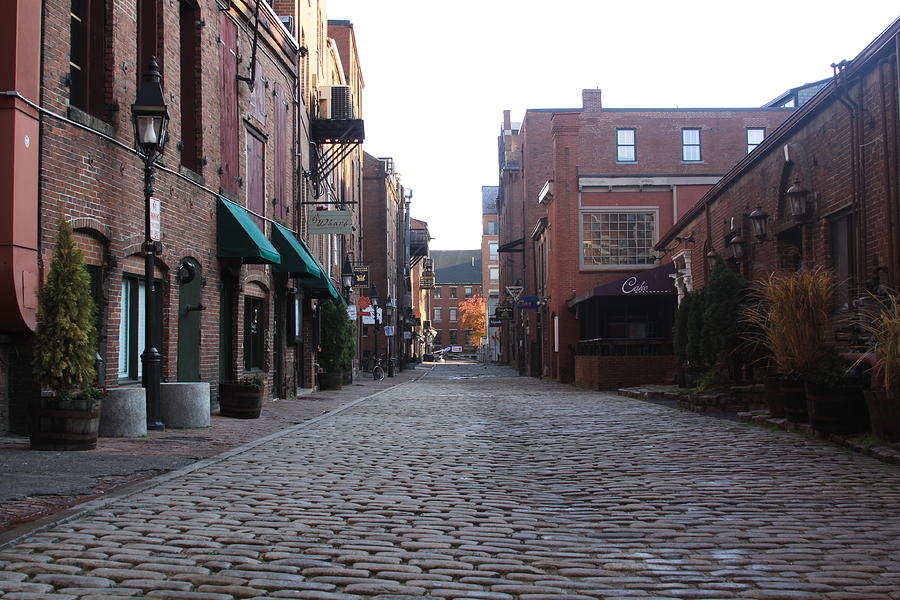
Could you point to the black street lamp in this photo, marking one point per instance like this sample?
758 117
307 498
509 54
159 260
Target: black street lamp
389 316
373 297
150 117
347 277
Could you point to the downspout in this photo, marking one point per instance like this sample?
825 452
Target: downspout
842 94
889 178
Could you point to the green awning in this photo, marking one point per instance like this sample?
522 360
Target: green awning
238 236
296 258
321 287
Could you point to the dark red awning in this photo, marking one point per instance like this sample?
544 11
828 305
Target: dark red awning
652 282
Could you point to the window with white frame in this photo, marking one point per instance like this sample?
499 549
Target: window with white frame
131 328
468 291
452 315
625 145
495 274
618 237
690 144
755 135
493 249
437 292
437 314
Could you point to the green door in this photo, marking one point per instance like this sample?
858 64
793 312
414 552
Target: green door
190 290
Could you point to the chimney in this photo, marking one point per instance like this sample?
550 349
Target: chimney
590 100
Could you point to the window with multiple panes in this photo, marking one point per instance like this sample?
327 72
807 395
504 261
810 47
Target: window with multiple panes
621 237
755 135
625 145
494 274
453 336
690 144
452 315
490 228
437 314
254 333
492 248
468 291
453 292
87 56
437 292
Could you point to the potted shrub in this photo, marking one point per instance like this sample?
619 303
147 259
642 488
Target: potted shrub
787 318
336 345
882 324
66 416
244 398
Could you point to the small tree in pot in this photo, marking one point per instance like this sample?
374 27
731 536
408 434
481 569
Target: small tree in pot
65 348
337 348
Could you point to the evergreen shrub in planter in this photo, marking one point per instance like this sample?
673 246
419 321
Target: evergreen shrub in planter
66 416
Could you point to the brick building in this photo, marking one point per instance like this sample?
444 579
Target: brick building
839 153
490 266
243 93
609 182
457 275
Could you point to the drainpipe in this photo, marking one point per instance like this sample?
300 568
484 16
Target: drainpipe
843 95
890 182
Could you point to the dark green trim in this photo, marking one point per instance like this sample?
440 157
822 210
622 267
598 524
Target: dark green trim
238 236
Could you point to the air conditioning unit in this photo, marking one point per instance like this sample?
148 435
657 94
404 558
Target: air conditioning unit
288 23
335 102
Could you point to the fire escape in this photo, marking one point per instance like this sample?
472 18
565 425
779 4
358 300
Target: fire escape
334 134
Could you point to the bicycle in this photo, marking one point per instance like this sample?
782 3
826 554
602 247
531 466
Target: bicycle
377 371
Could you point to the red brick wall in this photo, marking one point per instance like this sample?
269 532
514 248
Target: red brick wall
613 372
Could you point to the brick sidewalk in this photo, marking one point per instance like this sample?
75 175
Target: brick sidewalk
188 445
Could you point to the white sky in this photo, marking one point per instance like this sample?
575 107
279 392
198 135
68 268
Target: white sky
439 74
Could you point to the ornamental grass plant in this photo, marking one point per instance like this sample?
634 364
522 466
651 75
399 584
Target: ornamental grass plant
788 317
882 324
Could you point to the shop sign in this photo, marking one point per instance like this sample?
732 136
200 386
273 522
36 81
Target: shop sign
351 311
503 312
330 221
360 276
426 282
495 321
529 302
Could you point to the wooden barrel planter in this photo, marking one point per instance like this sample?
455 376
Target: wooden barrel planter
331 381
884 415
837 409
65 423
241 401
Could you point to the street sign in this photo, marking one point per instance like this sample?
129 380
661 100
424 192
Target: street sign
503 312
495 321
529 302
515 291
155 213
389 330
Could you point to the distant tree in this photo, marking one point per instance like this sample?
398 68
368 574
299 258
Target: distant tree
472 317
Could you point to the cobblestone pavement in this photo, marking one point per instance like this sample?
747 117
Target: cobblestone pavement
473 483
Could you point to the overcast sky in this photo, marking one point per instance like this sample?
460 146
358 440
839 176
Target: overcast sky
439 74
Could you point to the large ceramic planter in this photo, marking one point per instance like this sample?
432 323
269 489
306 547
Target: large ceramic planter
64 423
884 415
837 409
241 401
331 381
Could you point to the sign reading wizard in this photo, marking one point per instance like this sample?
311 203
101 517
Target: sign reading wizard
330 221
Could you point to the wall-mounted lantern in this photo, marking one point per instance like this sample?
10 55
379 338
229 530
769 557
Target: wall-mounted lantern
797 196
759 220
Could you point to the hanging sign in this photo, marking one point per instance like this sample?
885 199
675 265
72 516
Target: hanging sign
529 302
155 213
503 312
495 321
330 221
351 311
360 275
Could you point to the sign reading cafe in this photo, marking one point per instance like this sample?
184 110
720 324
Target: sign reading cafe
330 221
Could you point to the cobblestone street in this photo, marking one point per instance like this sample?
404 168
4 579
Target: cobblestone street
475 483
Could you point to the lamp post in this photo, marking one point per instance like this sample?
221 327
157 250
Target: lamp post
373 297
389 316
150 118
347 277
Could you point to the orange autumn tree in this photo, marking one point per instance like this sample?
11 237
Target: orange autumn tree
472 317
